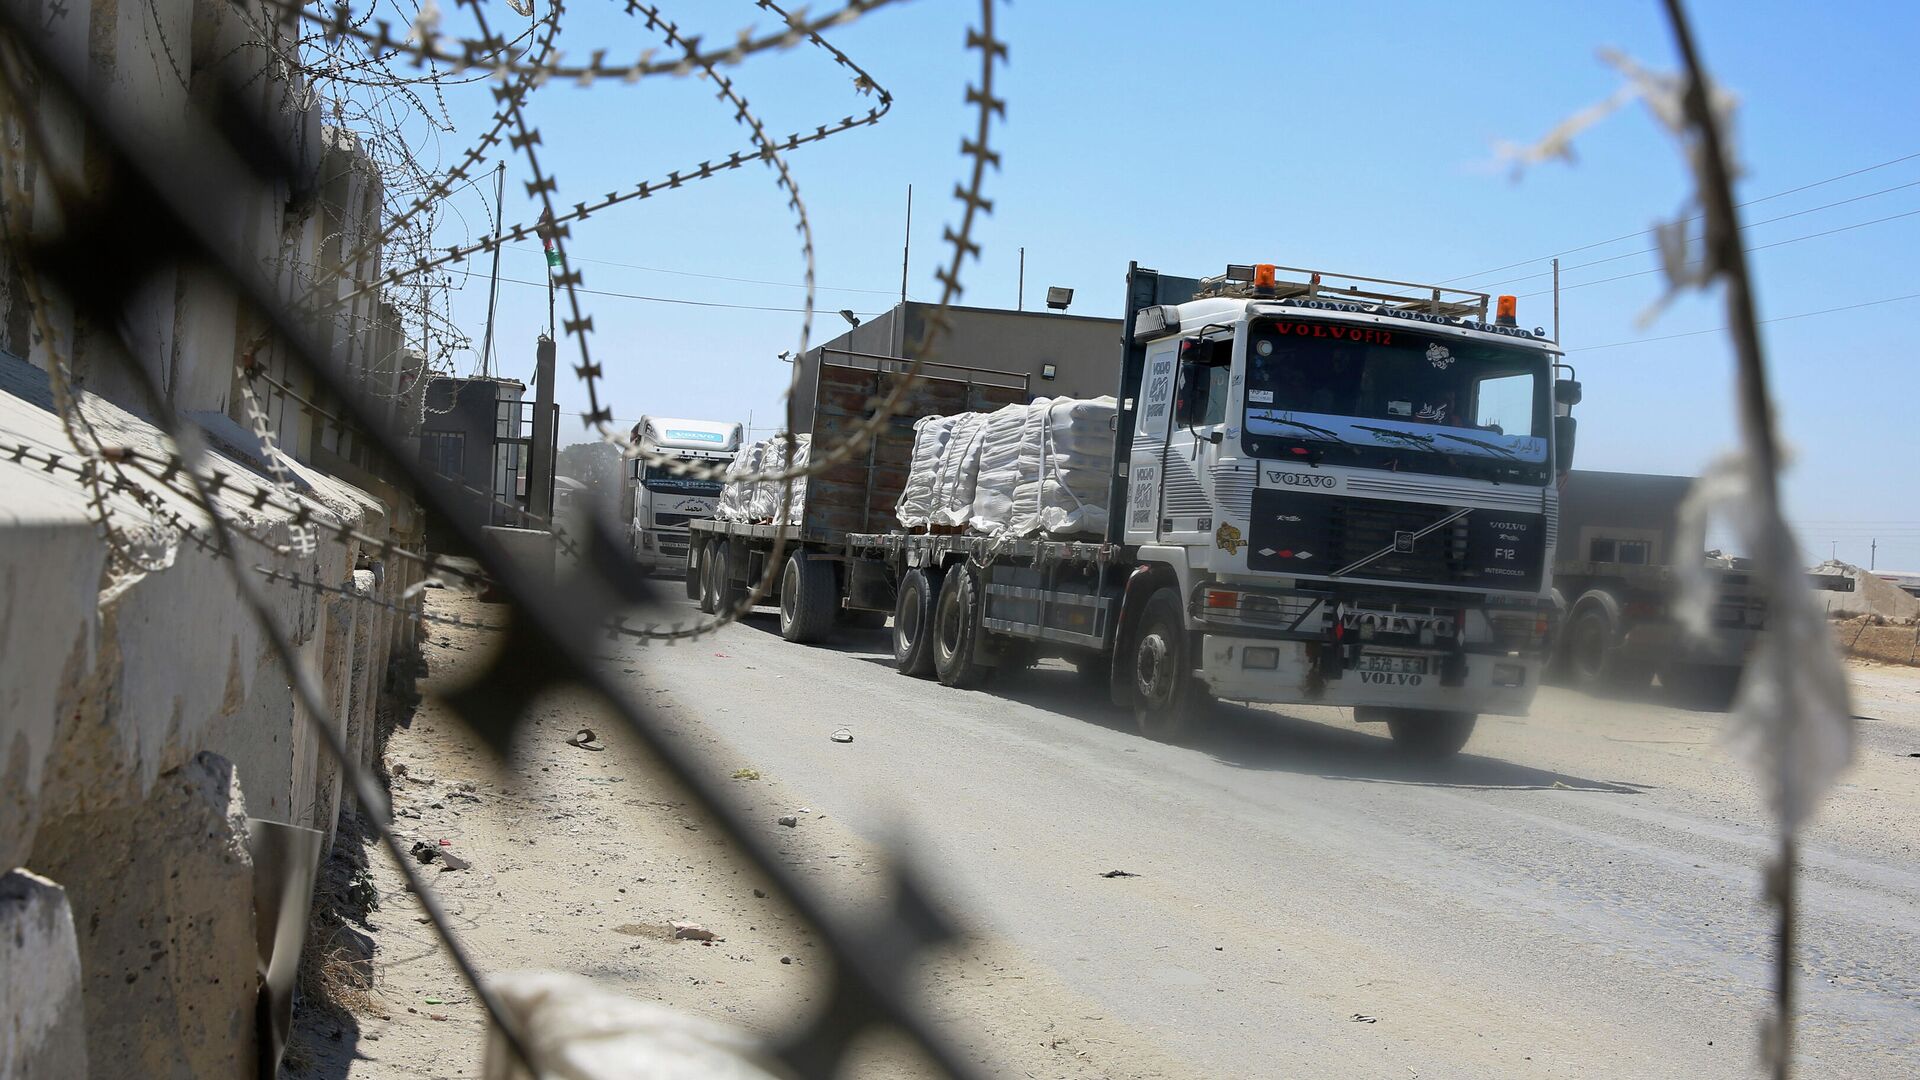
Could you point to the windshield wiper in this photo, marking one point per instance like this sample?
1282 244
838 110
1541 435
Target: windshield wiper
1327 433
1396 433
1481 443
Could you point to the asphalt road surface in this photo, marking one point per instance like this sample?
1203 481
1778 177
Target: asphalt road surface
1578 894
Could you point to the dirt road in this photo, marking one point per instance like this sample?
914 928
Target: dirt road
1577 895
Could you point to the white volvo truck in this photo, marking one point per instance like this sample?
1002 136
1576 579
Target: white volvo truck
660 503
1328 489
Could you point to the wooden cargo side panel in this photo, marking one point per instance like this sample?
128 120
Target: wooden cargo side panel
859 494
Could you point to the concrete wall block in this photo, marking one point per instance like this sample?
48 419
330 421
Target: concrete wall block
162 901
142 704
42 1023
47 640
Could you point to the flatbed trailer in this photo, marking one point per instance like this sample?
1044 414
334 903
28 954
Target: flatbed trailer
725 558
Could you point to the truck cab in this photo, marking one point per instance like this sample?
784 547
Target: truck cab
1350 482
663 500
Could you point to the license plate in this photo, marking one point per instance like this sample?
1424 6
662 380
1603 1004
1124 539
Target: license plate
1397 665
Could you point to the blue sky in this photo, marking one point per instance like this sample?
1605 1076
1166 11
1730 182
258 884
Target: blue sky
1188 137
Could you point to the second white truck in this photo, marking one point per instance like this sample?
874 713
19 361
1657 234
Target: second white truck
660 503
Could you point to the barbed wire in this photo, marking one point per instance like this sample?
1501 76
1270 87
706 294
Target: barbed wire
544 635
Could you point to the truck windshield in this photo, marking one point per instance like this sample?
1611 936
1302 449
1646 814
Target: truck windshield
662 479
1410 400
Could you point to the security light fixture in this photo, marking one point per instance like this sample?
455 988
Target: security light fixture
1048 371
847 314
1058 298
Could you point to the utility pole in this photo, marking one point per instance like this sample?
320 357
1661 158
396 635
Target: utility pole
1021 303
1873 554
493 290
1556 301
906 245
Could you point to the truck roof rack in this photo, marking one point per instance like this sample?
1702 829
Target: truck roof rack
1300 282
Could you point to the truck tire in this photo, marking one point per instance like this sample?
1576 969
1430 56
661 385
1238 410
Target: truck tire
1710 687
709 588
913 623
956 630
1428 733
694 580
808 599
1166 696
1594 660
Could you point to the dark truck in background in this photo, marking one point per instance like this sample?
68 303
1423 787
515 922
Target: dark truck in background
1615 583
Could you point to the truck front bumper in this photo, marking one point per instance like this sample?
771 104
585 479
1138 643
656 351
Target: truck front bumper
662 552
1287 672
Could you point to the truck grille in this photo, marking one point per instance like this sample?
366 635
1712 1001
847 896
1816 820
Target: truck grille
1312 535
672 521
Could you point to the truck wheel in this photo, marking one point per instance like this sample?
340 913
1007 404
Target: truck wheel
807 599
956 630
1429 733
694 582
1593 656
1711 687
1165 695
913 623
709 588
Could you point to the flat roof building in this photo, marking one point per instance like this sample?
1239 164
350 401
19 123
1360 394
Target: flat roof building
1056 355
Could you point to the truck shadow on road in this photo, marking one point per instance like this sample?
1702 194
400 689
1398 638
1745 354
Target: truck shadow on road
1264 739
1244 737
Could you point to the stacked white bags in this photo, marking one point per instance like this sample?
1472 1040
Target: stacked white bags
758 501
1025 469
734 497
1000 447
930 435
957 471
1073 493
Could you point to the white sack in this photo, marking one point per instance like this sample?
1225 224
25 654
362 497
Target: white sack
930 435
735 495
999 473
958 471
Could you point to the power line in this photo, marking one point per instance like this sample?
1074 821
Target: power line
1743 228
709 277
1756 247
674 300
1696 217
1722 329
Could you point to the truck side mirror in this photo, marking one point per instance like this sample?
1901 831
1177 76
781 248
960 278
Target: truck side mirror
1566 392
1564 430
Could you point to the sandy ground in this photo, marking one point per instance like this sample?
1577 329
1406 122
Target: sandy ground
583 860
1575 896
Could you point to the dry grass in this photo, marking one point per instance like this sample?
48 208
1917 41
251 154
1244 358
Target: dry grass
1875 637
